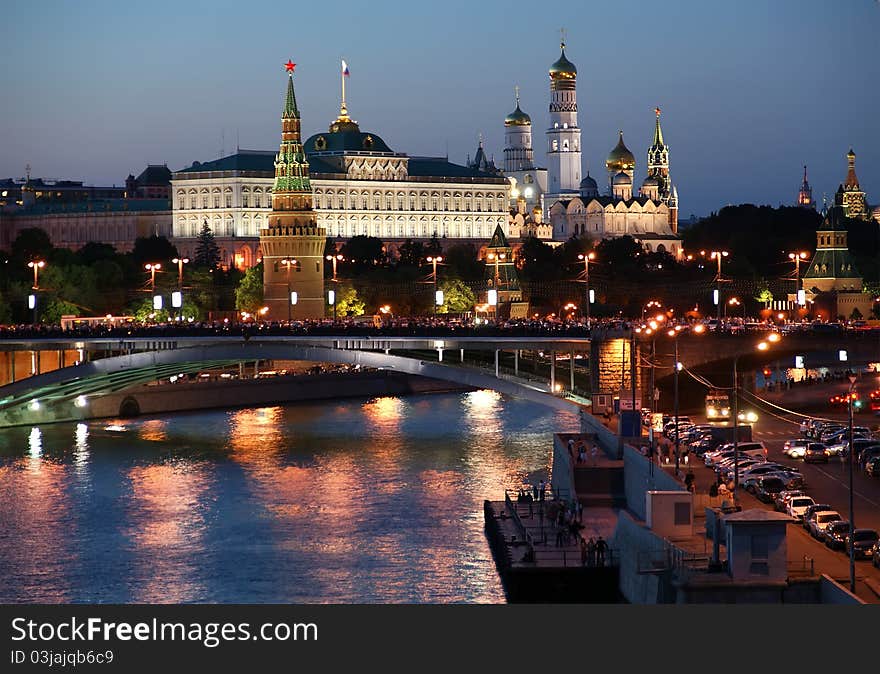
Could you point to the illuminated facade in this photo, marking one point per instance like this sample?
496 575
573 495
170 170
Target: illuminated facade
805 194
528 181
850 194
563 136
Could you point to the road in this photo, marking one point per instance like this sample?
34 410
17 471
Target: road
825 482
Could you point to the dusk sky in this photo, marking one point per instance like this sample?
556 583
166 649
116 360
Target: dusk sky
750 91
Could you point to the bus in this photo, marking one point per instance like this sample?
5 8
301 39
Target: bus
717 405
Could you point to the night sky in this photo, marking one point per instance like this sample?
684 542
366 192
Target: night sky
750 91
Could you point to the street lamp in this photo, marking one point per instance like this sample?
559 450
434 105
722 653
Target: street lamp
586 257
772 338
334 259
289 262
797 257
434 260
650 305
152 267
734 302
718 255
180 261
852 524
37 265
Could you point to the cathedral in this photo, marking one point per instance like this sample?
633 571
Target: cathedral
572 204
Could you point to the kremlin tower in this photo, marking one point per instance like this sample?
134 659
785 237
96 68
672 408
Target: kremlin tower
293 243
564 136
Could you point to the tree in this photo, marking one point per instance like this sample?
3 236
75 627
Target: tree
457 297
207 252
249 293
31 243
93 252
462 262
364 252
765 296
347 301
152 249
434 247
856 315
537 260
143 310
411 253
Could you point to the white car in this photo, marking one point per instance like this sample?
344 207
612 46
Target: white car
820 522
798 505
794 449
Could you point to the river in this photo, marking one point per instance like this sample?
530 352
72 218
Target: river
355 501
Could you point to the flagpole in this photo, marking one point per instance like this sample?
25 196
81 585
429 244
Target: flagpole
342 75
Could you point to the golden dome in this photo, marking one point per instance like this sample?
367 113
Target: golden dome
563 68
620 158
517 118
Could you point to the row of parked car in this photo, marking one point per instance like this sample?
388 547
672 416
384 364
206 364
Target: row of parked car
828 526
824 440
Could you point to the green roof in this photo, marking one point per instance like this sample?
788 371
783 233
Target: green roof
97 206
243 160
346 141
499 241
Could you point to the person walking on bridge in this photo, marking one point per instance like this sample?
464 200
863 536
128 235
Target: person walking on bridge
601 547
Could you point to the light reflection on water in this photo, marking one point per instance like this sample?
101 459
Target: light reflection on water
351 502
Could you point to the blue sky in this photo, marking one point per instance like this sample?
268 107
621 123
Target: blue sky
750 91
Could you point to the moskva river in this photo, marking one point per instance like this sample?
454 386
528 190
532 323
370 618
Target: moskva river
343 502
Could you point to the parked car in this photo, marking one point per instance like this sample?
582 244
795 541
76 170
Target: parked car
819 523
798 506
781 499
862 542
794 449
835 534
768 487
815 453
812 510
872 468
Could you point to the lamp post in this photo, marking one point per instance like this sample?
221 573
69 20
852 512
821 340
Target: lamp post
797 257
152 267
586 257
180 261
852 524
437 258
37 265
773 337
718 255
734 302
289 262
334 259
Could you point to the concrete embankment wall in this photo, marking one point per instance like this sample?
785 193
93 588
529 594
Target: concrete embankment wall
165 398
562 478
635 541
640 476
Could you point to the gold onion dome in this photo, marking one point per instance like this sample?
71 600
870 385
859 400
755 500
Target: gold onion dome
517 118
563 68
620 158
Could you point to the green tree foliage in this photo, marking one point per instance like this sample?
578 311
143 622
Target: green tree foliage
457 296
348 303
249 292
143 310
765 297
207 255
94 252
538 261
856 315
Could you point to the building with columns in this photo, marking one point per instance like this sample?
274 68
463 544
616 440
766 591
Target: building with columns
360 186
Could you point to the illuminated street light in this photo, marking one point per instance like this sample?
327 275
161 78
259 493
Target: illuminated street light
180 261
152 267
288 262
797 257
586 258
37 265
437 298
334 259
717 255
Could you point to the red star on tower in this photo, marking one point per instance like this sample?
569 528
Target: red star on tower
290 65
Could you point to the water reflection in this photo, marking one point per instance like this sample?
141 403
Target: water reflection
376 501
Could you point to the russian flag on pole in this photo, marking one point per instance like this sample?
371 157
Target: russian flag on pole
345 69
